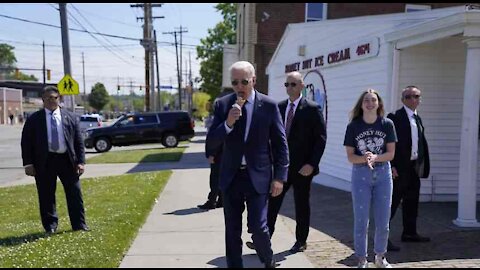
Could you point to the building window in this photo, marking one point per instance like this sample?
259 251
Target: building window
414 7
315 12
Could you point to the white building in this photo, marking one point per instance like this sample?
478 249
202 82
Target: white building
436 50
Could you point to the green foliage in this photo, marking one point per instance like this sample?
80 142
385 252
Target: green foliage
139 156
116 208
211 49
7 56
7 64
99 97
201 103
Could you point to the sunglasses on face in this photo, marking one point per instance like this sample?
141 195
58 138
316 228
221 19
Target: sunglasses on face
292 84
412 96
244 82
52 98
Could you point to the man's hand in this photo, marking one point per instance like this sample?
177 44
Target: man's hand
30 170
211 159
80 169
394 173
233 116
306 170
276 188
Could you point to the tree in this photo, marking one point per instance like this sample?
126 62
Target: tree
8 63
99 97
200 102
211 49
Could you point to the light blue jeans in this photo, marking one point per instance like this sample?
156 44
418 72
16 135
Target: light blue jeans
371 187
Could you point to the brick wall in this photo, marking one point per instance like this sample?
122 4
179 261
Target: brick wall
345 10
269 33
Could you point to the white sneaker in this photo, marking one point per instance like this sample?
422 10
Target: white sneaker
362 264
381 262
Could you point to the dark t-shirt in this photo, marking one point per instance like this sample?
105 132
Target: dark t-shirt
370 137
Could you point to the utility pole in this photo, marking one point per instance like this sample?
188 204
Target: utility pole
147 43
159 98
181 49
179 71
43 49
190 82
84 86
67 67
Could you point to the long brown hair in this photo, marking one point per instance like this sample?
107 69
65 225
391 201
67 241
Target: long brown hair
358 111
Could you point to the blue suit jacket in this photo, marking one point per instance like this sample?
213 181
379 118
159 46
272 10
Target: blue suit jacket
35 140
266 144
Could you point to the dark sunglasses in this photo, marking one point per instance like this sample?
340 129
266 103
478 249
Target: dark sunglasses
412 96
292 84
244 82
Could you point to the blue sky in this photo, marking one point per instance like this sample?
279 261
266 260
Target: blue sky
126 63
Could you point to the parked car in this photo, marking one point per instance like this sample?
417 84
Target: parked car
168 128
90 120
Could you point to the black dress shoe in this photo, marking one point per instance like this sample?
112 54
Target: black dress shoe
51 231
250 245
85 229
272 264
392 247
207 206
219 204
414 238
298 247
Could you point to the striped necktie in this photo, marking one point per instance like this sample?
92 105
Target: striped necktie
288 125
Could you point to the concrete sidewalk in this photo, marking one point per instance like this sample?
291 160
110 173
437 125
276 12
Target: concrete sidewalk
178 234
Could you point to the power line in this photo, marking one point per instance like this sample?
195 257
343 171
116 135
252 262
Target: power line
100 42
93 27
71 29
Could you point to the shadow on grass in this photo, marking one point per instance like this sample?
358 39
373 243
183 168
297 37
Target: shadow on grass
18 240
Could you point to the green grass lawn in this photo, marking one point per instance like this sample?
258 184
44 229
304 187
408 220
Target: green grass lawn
116 207
139 156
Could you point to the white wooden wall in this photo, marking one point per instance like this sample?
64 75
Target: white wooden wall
438 68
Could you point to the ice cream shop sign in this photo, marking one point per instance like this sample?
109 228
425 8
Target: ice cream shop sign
360 50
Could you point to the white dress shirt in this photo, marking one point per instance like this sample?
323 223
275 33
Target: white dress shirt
296 102
414 128
61 138
249 108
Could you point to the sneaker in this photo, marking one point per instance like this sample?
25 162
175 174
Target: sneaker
381 262
362 263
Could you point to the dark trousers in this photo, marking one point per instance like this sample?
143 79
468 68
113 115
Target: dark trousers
214 179
241 191
301 194
46 180
406 189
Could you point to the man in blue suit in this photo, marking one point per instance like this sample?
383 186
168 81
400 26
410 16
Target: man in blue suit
249 126
52 146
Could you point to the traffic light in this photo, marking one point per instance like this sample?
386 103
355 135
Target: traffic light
48 74
17 73
118 88
140 88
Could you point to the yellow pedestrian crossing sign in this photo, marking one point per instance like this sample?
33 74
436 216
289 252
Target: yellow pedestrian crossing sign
68 86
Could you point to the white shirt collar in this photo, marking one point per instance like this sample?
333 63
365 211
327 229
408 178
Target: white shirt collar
251 98
409 111
295 102
55 112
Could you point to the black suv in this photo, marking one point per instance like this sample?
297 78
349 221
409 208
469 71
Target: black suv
166 127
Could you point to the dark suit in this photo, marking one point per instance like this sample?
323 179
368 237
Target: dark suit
306 143
265 146
214 196
35 150
406 188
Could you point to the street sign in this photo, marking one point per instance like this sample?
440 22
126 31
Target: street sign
68 86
